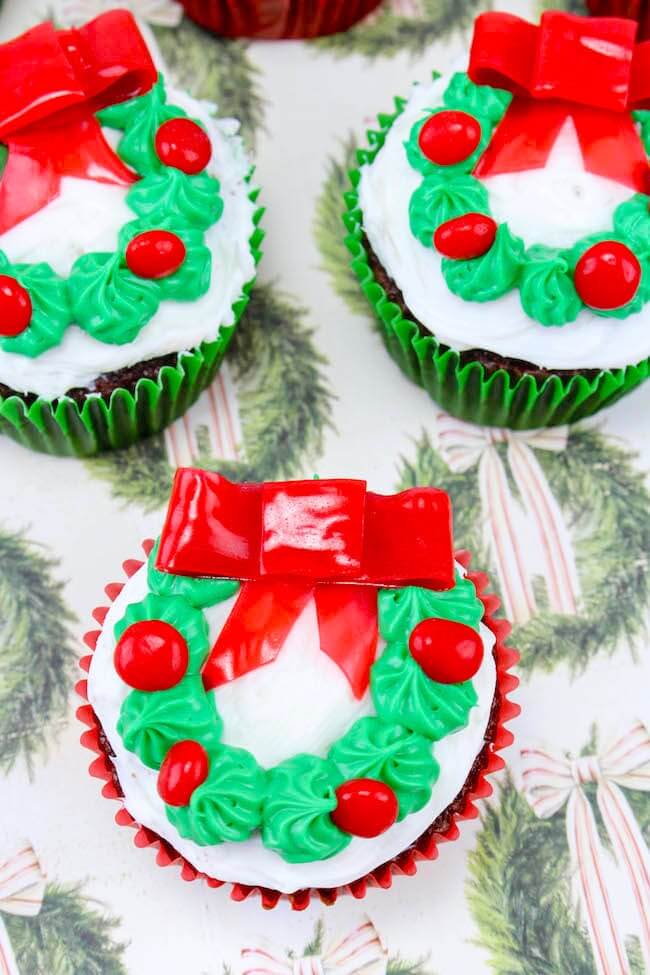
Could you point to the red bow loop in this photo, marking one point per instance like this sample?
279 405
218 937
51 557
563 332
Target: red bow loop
290 541
53 82
587 69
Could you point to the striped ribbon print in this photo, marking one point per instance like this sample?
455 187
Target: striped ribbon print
360 952
463 446
22 888
215 414
551 782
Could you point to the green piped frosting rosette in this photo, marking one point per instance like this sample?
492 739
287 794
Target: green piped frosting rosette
290 805
104 298
463 385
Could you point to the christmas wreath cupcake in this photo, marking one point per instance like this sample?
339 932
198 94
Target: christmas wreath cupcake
278 18
128 239
500 222
301 689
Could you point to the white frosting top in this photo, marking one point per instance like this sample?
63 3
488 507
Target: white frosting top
86 216
556 206
307 701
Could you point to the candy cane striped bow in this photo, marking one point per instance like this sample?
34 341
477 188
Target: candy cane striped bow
550 783
463 446
22 887
361 951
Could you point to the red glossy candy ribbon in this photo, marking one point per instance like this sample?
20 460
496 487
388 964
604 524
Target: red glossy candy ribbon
290 541
586 68
52 83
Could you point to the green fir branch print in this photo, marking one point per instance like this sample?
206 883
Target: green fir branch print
390 31
329 231
37 656
519 888
611 538
284 402
70 936
216 70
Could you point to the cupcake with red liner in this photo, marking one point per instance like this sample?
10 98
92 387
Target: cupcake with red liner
128 239
269 19
301 689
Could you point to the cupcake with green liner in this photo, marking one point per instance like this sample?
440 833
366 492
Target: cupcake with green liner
500 224
129 240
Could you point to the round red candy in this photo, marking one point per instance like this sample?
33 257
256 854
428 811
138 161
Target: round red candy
184 145
184 768
151 655
449 137
465 238
365 807
448 652
607 276
15 307
155 254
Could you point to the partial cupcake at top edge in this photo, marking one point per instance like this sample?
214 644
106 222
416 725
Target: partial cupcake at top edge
274 19
301 689
128 239
500 223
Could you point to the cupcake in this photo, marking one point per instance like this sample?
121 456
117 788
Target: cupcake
128 239
301 690
270 19
500 223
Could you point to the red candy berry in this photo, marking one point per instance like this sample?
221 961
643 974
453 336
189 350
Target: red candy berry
151 656
447 652
184 768
15 306
184 145
607 276
365 807
449 137
155 254
466 237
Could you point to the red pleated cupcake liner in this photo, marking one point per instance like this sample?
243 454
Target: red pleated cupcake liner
406 863
275 19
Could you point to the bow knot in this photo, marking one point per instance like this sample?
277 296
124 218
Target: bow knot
587 69
53 82
463 446
551 782
586 769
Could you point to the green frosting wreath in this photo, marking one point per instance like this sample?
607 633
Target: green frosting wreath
543 275
291 803
101 294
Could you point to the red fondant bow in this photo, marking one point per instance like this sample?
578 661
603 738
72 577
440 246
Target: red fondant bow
52 83
332 540
587 69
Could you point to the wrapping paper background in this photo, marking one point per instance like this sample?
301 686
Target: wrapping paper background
308 388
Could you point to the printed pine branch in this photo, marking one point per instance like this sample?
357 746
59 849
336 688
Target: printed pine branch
284 401
140 474
612 543
216 70
428 469
329 230
519 895
388 33
37 657
68 937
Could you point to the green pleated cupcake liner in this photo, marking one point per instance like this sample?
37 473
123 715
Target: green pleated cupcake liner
64 427
467 389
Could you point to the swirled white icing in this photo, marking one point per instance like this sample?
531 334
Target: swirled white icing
87 216
301 702
556 206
